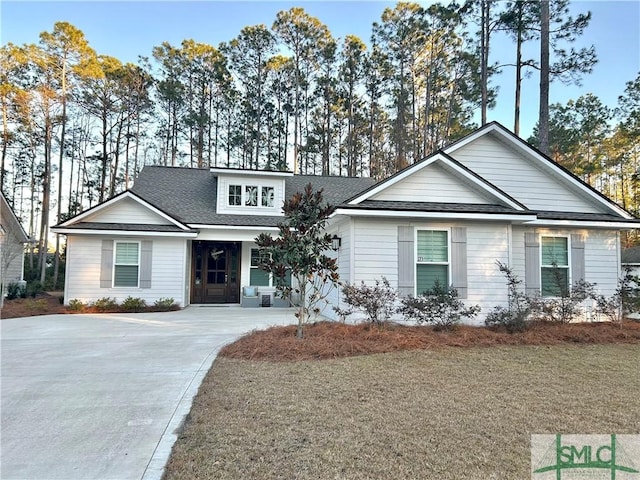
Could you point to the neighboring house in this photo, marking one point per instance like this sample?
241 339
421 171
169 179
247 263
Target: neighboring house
631 259
12 240
188 233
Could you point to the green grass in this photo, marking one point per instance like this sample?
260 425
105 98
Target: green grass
446 414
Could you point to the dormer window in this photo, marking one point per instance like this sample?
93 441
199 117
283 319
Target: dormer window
235 195
268 196
251 196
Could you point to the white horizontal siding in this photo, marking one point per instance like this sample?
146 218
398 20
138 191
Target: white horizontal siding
11 259
376 255
520 177
223 194
127 211
486 244
84 263
601 257
432 184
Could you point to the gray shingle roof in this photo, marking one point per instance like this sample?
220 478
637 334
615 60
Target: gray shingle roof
588 217
129 227
436 207
189 195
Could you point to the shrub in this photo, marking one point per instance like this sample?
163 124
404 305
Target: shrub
131 304
105 304
566 307
439 306
34 288
164 304
520 306
76 305
15 290
376 302
39 305
624 300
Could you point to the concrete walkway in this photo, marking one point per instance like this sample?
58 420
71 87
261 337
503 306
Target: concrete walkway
101 396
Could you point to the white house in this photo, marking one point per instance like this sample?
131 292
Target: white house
12 240
188 233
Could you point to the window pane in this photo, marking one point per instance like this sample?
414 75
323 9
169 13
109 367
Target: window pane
258 277
127 253
286 280
125 276
554 250
251 196
258 257
555 281
432 246
267 196
427 276
235 194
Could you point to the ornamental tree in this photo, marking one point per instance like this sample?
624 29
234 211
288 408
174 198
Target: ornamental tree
300 248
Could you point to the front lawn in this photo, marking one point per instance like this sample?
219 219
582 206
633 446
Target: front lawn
445 413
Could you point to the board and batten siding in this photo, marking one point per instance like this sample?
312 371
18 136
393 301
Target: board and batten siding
432 184
343 256
168 265
127 210
520 177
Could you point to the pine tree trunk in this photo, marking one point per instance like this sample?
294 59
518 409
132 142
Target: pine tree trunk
543 118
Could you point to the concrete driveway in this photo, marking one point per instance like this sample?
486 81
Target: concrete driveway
101 396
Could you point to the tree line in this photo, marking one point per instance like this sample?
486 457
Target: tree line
77 126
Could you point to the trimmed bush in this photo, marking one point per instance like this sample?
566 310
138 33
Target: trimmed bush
105 304
164 304
131 304
76 305
376 302
439 306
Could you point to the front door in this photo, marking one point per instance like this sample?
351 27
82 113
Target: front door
215 272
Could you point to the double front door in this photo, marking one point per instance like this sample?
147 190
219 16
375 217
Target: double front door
215 272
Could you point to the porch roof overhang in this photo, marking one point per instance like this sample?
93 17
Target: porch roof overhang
96 228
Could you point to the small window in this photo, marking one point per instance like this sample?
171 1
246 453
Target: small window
261 278
251 196
554 274
235 195
432 260
267 196
258 276
126 264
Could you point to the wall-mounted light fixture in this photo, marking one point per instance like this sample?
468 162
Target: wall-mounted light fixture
336 242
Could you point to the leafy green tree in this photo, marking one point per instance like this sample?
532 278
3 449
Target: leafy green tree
301 248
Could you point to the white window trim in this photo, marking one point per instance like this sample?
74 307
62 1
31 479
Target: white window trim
271 283
243 196
415 255
115 249
568 267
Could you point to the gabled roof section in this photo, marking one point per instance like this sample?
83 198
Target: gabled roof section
8 215
464 174
190 194
78 219
543 161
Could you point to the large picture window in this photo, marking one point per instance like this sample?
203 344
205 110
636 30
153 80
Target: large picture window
432 259
126 264
554 274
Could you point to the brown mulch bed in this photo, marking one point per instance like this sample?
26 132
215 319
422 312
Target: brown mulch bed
325 340
47 304
42 304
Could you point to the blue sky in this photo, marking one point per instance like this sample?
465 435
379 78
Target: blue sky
127 29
